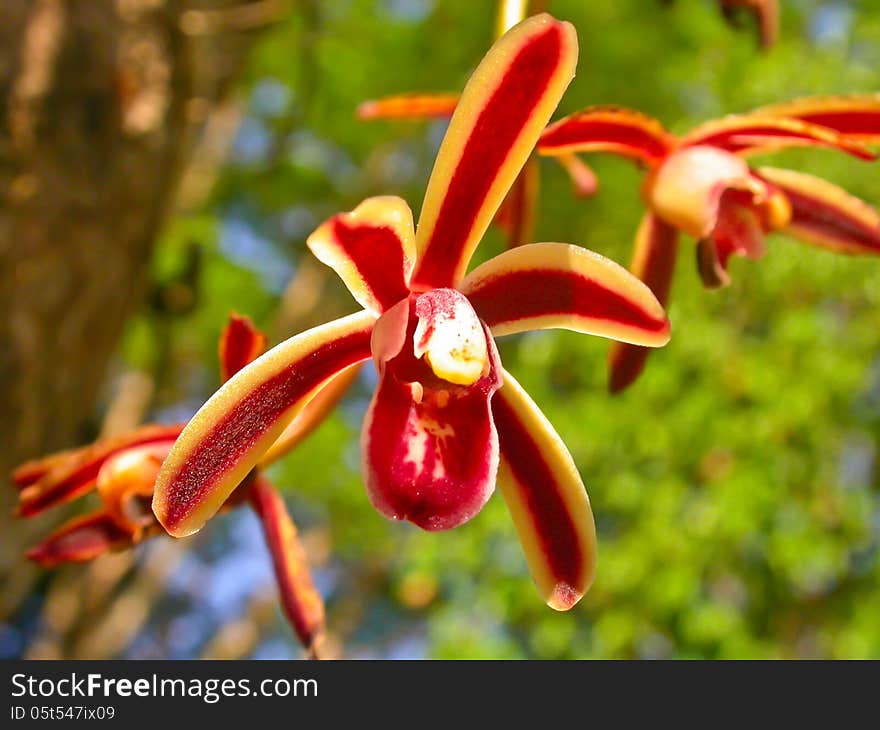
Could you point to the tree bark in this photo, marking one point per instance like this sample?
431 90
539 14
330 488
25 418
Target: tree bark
101 103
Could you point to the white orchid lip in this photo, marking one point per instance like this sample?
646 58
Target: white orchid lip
450 337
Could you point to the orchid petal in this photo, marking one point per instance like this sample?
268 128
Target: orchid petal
240 343
583 179
229 434
608 129
300 599
312 415
409 106
826 215
73 477
503 109
746 134
546 498
654 263
516 216
737 231
855 115
545 285
372 249
429 449
80 540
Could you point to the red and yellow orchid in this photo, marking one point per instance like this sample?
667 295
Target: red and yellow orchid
445 417
123 471
700 184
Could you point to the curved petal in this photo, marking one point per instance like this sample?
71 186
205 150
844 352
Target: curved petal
748 134
312 415
826 215
546 498
229 434
372 249
855 115
766 13
302 603
608 129
76 475
738 231
516 216
429 449
409 106
545 285
503 109
656 248
81 539
583 179
240 343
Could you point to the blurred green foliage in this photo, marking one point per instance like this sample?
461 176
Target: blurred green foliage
735 486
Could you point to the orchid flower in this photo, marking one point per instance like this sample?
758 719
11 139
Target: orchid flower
701 185
445 417
123 470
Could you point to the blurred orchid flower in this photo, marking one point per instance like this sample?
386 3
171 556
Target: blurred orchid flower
765 13
445 417
700 184
123 471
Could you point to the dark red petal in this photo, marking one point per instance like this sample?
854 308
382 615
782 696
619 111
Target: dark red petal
302 603
240 344
654 263
80 540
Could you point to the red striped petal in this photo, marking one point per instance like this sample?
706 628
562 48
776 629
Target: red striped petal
229 434
372 249
300 599
516 216
81 539
506 103
654 263
429 448
608 129
752 134
766 13
240 343
76 475
826 215
546 285
546 498
856 115
409 106
312 415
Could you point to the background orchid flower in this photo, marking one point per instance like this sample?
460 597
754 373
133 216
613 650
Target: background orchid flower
123 472
444 416
700 184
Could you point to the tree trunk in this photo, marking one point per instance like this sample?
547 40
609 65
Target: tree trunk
101 102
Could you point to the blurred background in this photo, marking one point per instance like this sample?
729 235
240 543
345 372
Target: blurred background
161 164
